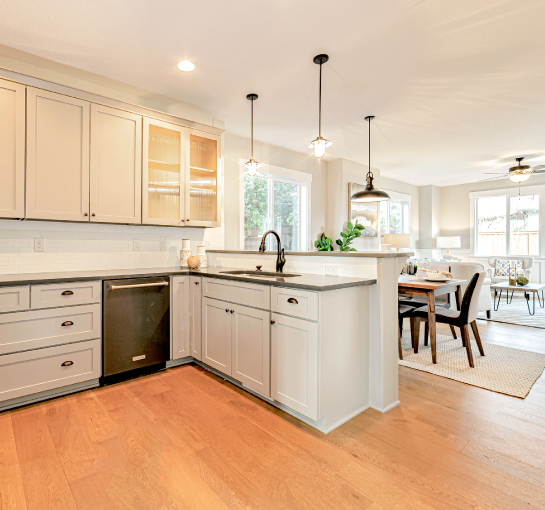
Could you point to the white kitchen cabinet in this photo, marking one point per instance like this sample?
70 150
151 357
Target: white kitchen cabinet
250 337
195 316
181 323
164 171
14 299
116 166
12 150
203 176
294 364
216 334
57 186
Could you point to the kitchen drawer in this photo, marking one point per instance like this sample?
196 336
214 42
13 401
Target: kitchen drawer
14 299
64 294
249 294
43 328
297 303
25 373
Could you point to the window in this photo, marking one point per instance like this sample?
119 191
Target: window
507 225
395 214
278 203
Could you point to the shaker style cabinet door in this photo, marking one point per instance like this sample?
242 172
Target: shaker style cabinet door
251 348
116 166
181 326
57 157
203 180
196 316
164 173
294 364
216 334
12 150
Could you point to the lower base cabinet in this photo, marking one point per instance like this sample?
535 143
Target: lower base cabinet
25 373
236 341
186 316
294 364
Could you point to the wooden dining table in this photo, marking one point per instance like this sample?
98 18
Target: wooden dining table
416 286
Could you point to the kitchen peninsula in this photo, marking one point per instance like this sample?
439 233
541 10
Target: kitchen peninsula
312 344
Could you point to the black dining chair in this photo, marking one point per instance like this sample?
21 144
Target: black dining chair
466 316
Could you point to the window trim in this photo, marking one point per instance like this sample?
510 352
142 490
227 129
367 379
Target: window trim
397 196
279 174
538 190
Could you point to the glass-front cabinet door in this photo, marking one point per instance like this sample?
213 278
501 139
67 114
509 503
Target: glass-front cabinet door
203 185
164 173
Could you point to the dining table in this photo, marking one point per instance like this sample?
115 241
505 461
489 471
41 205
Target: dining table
416 286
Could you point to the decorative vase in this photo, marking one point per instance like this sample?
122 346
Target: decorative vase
201 255
185 252
193 262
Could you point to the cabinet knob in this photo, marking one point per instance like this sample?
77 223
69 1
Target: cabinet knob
232 311
85 214
67 293
273 322
67 363
93 214
227 310
258 268
293 300
67 323
197 283
187 219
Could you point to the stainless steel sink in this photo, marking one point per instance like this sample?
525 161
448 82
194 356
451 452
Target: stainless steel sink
260 274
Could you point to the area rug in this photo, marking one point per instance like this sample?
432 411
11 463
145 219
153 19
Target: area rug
516 312
502 369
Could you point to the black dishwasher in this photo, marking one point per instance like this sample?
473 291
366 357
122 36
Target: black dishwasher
136 327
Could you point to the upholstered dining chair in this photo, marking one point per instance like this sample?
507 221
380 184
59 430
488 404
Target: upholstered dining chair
462 319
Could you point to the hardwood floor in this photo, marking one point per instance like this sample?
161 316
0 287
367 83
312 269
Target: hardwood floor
185 439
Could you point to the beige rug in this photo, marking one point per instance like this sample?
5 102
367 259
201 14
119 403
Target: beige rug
502 369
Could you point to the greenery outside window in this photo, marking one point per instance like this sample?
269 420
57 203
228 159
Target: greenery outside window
279 203
395 214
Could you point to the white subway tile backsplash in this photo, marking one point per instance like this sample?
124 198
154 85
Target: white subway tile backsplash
80 247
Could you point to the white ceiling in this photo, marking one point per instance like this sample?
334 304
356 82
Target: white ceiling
457 87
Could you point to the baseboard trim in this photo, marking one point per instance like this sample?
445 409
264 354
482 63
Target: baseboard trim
48 395
171 363
387 408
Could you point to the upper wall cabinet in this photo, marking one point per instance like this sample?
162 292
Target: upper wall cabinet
164 173
12 150
203 198
116 165
57 157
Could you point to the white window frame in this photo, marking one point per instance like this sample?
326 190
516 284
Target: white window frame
279 174
507 193
395 196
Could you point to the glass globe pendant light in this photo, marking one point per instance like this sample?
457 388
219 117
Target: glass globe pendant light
320 144
369 194
520 172
252 165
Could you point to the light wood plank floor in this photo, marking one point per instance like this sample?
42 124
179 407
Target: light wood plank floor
184 439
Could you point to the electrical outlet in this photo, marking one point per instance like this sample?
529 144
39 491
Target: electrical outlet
163 244
332 270
39 244
136 244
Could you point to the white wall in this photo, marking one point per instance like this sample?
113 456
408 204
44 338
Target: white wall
236 148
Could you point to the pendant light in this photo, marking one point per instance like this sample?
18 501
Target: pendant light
252 165
519 173
369 194
319 144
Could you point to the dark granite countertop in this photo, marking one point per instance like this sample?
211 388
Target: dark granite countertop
304 281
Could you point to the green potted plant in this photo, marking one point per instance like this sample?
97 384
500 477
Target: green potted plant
324 243
352 232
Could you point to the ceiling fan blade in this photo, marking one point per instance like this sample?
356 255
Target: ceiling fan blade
495 173
540 169
493 178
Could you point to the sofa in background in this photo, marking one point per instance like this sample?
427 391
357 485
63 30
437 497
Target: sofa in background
527 263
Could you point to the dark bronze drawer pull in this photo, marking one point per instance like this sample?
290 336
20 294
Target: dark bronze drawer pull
67 293
273 322
67 363
197 283
67 323
293 300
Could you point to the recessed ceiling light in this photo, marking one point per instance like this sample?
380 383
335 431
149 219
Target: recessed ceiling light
186 66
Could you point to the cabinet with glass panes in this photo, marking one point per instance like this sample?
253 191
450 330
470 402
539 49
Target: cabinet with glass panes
203 205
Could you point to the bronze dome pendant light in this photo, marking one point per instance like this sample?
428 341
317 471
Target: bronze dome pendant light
369 194
319 144
252 165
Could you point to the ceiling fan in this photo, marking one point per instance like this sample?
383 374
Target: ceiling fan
518 173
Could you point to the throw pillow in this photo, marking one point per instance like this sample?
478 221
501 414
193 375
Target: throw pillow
502 268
